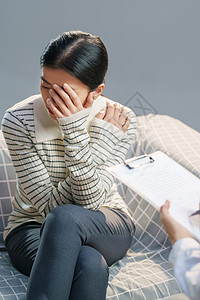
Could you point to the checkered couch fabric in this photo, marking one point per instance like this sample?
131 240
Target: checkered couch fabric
144 273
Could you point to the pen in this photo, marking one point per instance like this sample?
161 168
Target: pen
195 213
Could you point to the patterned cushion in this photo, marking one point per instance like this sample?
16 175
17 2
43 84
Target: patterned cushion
144 273
7 186
171 136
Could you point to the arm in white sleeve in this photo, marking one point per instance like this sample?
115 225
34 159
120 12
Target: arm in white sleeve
185 256
88 155
109 145
108 141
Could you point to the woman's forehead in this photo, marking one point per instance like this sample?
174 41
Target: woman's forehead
59 76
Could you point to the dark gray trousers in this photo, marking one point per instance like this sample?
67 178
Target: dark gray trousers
68 256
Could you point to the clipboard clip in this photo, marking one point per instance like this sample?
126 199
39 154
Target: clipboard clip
136 162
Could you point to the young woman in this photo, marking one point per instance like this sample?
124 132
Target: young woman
68 222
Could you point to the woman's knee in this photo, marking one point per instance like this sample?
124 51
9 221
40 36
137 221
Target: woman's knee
64 217
92 264
63 213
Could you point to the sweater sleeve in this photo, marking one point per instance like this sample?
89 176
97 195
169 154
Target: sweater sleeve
87 156
88 187
109 142
34 183
109 145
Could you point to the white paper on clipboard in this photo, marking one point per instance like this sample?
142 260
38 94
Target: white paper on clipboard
163 179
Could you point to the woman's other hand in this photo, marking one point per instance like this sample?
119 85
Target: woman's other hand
174 229
116 115
64 102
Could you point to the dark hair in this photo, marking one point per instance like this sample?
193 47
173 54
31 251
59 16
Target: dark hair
81 54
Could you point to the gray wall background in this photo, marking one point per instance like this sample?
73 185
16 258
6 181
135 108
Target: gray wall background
153 47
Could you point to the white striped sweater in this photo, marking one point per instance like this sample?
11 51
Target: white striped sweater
62 162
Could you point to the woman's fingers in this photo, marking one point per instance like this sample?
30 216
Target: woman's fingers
127 123
89 100
117 109
61 94
123 116
118 116
109 113
65 99
59 102
73 96
101 114
54 109
115 115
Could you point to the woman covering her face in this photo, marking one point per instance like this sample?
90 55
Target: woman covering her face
68 223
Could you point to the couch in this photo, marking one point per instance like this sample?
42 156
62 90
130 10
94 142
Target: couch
144 273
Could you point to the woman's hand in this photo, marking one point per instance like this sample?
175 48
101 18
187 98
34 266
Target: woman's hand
64 102
116 115
174 229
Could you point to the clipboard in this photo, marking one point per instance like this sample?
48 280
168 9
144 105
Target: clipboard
138 161
156 178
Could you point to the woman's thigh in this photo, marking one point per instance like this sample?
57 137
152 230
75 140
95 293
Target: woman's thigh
109 231
116 235
22 245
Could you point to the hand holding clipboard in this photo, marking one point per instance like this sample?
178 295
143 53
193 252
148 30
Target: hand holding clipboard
156 177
